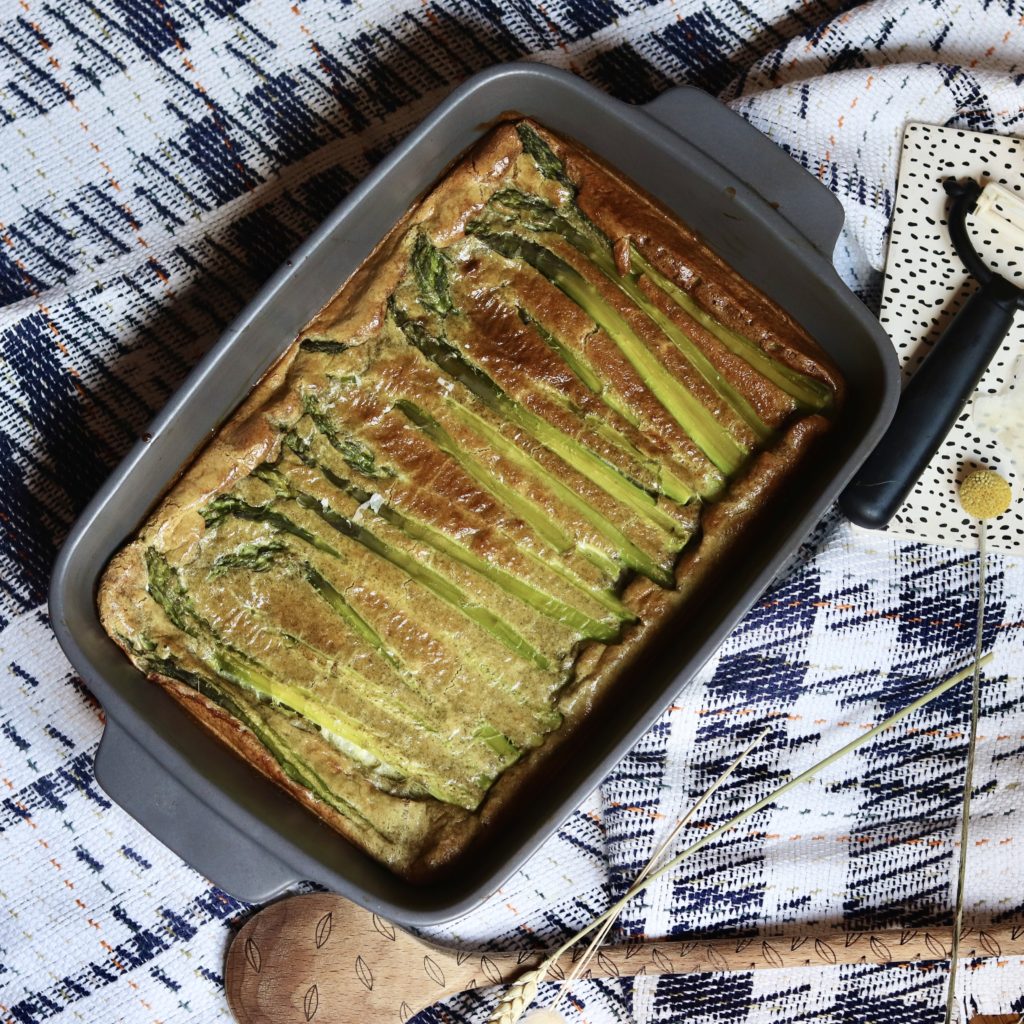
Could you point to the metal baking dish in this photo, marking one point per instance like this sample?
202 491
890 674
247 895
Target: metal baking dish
758 209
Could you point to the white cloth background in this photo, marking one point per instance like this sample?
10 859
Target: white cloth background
157 161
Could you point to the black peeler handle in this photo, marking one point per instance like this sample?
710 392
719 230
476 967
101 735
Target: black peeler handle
930 404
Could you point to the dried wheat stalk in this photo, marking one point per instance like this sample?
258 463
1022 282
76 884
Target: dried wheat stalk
518 997
602 934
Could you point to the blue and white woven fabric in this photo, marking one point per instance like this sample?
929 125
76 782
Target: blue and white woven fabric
158 159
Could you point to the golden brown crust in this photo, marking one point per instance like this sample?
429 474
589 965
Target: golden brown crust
625 211
437 839
408 859
601 667
446 208
725 527
248 438
226 728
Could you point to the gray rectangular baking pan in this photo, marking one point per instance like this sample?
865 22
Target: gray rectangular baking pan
757 208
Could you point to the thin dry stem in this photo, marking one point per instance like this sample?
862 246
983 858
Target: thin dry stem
511 1006
965 811
597 941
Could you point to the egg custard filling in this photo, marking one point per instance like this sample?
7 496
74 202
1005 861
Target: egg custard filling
401 565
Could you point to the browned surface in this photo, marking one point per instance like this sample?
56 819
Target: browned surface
426 835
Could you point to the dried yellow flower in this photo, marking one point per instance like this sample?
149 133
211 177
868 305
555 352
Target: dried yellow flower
984 494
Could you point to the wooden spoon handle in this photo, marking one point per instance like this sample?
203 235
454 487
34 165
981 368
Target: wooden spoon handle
799 949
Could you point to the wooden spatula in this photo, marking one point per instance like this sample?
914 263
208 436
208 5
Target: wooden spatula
320 957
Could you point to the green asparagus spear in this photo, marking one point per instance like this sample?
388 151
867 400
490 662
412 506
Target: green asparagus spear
725 451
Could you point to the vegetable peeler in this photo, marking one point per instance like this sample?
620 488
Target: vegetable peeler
939 389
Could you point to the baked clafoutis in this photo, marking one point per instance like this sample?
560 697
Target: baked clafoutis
526 432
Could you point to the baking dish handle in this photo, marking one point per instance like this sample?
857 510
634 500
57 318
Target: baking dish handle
181 821
751 156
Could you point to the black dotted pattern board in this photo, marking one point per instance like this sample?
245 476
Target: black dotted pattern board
925 286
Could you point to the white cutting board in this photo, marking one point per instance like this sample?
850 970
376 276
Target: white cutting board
925 286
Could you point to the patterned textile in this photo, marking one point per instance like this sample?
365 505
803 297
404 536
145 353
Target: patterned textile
158 159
